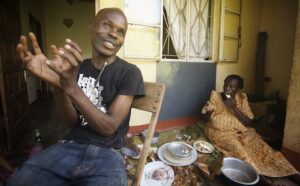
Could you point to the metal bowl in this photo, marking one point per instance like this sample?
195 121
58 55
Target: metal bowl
155 138
239 172
180 150
131 152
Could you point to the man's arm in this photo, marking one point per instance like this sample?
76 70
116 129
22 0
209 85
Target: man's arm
64 107
104 123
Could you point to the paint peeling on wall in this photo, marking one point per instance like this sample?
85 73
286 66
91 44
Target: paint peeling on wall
169 71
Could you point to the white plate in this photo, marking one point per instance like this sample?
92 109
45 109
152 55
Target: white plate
176 161
154 167
203 146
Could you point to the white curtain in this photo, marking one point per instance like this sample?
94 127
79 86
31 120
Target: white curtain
177 11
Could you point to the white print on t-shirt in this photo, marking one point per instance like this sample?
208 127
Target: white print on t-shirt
92 92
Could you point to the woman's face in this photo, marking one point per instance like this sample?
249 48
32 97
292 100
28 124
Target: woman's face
231 87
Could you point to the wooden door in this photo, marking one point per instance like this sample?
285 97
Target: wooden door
13 91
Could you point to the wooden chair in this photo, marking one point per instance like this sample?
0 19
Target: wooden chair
154 93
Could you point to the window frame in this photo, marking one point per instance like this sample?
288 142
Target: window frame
133 23
224 35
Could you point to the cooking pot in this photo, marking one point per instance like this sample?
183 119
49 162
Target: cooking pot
238 172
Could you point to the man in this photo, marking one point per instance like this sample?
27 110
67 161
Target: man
94 97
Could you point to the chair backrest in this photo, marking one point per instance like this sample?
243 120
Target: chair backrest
154 93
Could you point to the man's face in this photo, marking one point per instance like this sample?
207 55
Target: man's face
108 33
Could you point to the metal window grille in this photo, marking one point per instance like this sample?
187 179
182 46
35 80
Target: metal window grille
186 30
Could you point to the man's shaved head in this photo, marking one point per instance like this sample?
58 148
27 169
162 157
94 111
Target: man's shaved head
105 11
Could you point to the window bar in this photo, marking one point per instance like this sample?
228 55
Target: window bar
145 25
187 31
161 29
208 34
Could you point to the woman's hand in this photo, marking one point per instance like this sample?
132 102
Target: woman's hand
229 102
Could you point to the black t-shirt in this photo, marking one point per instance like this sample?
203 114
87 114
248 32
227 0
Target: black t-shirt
118 78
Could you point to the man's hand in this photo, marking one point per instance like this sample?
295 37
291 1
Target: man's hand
65 63
60 71
36 62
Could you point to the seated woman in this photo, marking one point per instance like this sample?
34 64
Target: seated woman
228 113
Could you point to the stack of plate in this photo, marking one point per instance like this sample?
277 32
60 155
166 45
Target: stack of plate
177 154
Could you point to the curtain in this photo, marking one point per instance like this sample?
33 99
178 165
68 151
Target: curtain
197 27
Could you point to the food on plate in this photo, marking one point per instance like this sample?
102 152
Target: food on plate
203 146
159 174
227 96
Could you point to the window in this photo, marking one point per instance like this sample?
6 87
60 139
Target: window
186 30
169 29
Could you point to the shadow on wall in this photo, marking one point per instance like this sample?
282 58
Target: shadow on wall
188 87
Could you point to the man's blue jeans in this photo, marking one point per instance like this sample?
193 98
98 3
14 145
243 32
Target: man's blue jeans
71 163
